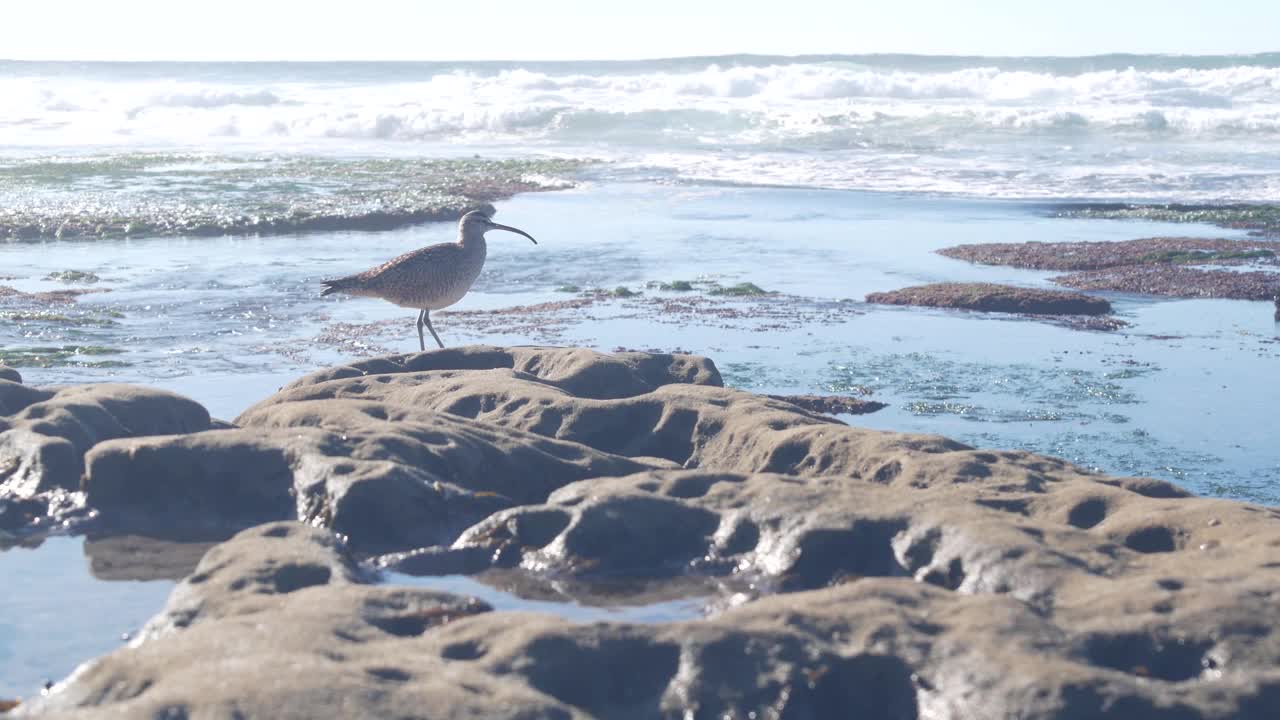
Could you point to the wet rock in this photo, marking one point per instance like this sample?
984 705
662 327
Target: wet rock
9 374
388 476
1081 256
1260 219
1176 281
691 425
45 433
832 404
17 513
286 602
1155 266
575 370
283 195
73 276
989 297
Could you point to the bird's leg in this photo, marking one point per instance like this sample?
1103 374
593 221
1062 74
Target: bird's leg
427 317
422 344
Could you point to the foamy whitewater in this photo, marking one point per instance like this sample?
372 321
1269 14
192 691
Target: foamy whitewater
1199 129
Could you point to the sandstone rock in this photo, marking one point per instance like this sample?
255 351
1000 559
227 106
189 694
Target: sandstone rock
575 370
691 425
44 435
286 602
989 297
274 624
856 572
358 449
14 397
387 476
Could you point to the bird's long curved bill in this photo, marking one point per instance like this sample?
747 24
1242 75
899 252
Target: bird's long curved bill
517 231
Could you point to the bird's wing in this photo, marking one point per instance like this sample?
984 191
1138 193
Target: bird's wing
416 267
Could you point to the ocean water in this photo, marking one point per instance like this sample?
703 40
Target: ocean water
822 179
1120 126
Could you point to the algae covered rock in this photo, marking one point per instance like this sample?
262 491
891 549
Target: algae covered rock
990 297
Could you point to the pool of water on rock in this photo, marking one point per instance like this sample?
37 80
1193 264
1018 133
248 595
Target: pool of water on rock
61 606
1186 393
495 591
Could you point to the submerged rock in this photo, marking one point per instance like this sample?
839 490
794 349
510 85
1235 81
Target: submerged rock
101 197
1177 281
1154 266
1260 219
1100 255
832 404
990 297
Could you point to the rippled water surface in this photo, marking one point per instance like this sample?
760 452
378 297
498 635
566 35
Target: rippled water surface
57 610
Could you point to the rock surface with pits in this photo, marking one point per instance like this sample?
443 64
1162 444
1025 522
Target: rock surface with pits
46 433
862 572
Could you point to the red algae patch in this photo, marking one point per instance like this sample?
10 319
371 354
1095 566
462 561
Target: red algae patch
61 297
1076 256
1171 267
990 297
1178 281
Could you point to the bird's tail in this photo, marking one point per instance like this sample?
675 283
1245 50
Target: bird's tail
339 285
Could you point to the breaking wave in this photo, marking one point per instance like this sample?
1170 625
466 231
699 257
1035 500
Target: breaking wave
1165 117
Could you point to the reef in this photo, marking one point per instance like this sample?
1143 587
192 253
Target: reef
990 297
153 195
1173 267
843 571
1259 219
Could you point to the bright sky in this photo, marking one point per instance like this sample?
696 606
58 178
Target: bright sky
604 29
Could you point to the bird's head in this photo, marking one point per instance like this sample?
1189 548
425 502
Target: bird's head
477 222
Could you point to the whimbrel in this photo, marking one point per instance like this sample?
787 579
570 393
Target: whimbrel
428 278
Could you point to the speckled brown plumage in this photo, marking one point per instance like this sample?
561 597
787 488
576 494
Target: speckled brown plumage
428 278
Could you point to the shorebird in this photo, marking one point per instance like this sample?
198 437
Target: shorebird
428 278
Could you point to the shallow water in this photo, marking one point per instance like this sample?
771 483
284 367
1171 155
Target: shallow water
55 612
190 314
499 590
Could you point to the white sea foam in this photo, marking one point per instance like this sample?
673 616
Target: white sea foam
836 123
